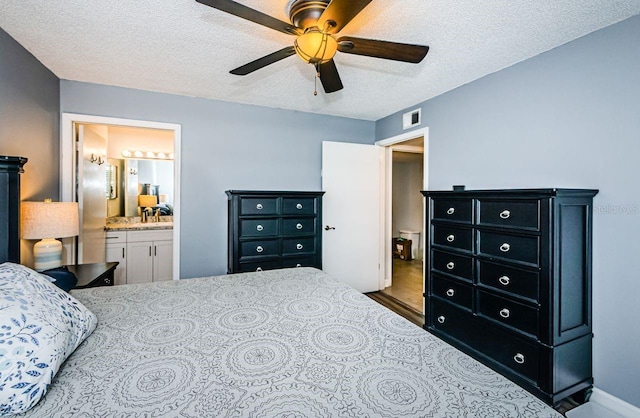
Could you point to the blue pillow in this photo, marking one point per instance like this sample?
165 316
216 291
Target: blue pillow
40 326
61 277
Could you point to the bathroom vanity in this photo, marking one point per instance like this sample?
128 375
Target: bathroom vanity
144 251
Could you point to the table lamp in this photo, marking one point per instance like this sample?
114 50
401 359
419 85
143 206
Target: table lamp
147 201
47 221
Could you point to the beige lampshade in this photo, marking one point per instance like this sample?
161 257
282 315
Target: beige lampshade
147 201
49 219
163 198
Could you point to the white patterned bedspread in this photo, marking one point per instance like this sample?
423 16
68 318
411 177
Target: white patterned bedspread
283 343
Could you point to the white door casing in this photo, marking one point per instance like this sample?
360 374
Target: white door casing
351 179
388 233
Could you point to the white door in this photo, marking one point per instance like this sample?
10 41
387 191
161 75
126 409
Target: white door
162 261
351 213
92 200
140 265
117 252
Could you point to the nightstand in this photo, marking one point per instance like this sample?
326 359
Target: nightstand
93 275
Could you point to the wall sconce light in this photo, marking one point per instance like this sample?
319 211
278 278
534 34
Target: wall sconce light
47 221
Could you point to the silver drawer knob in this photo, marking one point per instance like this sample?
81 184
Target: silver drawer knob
441 319
299 206
505 247
505 214
259 227
451 211
504 280
259 206
451 238
299 226
299 246
298 265
450 292
505 313
519 358
259 249
451 265
259 269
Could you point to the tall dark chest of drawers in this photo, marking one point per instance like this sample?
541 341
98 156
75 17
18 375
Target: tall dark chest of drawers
10 169
274 229
508 281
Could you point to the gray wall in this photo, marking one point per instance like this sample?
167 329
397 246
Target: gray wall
29 122
224 146
567 118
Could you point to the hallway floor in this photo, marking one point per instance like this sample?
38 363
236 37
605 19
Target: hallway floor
407 283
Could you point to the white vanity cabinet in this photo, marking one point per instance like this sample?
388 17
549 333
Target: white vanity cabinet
116 246
144 255
150 255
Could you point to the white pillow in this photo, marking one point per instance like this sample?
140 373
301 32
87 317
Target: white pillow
40 326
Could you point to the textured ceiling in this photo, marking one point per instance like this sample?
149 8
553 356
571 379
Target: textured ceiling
183 47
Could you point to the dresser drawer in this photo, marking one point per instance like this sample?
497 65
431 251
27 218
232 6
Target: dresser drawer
517 315
457 265
298 246
258 227
299 262
298 226
258 206
449 236
500 345
453 291
510 213
460 210
260 266
298 206
256 248
514 247
509 279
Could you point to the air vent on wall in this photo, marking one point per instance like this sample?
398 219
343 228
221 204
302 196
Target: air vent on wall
411 119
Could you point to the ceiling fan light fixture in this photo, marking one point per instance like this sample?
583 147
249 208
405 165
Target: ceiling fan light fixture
315 46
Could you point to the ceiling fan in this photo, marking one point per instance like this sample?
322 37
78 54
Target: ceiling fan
314 23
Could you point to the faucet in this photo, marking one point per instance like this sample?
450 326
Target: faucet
156 217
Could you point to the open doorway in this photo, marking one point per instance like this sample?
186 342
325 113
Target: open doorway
114 187
407 223
406 174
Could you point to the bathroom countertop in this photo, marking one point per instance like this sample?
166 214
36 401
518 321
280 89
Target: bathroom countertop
138 226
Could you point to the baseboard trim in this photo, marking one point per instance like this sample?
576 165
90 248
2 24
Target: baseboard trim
615 404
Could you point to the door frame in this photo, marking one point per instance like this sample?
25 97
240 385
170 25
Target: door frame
387 196
68 164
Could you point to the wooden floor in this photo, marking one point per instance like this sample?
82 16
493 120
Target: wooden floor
407 283
398 307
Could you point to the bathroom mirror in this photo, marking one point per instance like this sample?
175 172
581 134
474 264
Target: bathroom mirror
138 173
111 189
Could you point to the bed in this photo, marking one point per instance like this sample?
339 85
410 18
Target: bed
280 343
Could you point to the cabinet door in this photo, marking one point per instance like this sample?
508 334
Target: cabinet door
162 261
117 252
140 269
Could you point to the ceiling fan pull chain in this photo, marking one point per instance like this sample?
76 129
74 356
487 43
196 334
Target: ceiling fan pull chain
315 80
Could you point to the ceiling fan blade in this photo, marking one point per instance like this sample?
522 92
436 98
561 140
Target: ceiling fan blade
252 15
264 61
340 12
382 49
329 77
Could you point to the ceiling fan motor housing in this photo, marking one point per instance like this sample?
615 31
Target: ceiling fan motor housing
305 13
